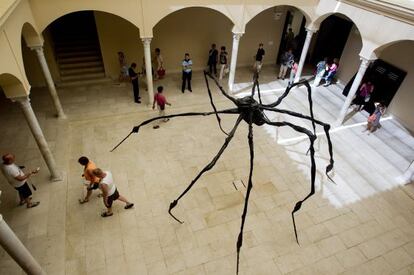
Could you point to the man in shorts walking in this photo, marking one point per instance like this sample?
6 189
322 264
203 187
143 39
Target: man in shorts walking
18 179
109 191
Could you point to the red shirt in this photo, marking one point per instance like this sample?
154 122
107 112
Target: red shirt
160 99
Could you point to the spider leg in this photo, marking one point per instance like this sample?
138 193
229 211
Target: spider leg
249 188
207 167
232 99
136 128
312 138
326 128
212 104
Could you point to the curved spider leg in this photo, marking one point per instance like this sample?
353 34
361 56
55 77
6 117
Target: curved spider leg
212 104
326 128
309 91
312 138
136 128
258 91
249 188
232 99
207 167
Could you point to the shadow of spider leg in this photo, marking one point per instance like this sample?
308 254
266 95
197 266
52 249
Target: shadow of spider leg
136 128
207 167
312 139
249 188
326 128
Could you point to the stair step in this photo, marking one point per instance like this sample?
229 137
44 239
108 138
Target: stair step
80 65
76 77
81 70
80 42
75 48
67 54
85 82
80 59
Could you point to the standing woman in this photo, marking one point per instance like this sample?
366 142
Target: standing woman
374 119
159 64
223 61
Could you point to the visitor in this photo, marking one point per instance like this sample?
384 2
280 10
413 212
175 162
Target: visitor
373 122
259 58
289 39
320 71
18 179
134 80
286 62
109 191
223 62
161 101
187 65
123 75
364 95
212 60
159 65
293 71
92 182
332 69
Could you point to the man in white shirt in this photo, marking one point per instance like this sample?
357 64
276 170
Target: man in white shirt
18 179
109 191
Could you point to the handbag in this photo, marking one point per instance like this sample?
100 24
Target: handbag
161 72
226 69
372 118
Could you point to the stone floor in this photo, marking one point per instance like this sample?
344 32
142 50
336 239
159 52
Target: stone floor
361 224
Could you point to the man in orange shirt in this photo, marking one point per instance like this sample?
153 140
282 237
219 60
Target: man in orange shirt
89 166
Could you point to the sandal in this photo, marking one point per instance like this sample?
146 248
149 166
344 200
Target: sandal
106 214
82 201
128 206
33 204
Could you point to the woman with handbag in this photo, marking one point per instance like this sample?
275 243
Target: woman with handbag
373 122
160 71
223 62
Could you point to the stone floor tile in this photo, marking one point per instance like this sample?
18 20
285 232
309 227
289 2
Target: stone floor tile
398 258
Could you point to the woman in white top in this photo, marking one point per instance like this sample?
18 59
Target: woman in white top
109 191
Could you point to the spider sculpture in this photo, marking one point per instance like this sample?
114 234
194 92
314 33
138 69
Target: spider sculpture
253 112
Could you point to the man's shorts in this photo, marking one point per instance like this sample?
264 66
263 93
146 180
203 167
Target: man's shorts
113 198
24 191
93 186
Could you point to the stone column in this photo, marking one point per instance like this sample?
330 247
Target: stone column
309 34
34 126
233 62
16 250
148 67
49 81
357 81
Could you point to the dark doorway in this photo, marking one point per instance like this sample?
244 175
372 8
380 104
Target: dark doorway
386 79
332 36
77 48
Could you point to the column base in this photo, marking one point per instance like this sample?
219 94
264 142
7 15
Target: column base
56 178
61 116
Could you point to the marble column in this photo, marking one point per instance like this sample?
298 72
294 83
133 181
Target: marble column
49 80
233 62
34 126
309 34
14 247
148 67
354 88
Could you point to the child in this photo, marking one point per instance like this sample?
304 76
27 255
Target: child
160 99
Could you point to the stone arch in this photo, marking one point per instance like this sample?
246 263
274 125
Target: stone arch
166 13
250 15
31 36
62 13
12 86
382 47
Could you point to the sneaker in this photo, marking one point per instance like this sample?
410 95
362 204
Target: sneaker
190 90
182 91
129 205
34 204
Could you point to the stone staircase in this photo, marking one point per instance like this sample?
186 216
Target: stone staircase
77 51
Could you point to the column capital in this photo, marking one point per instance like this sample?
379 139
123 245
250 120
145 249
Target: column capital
365 61
310 30
23 100
38 48
237 35
146 40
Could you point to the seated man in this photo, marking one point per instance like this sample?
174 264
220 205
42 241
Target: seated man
331 72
